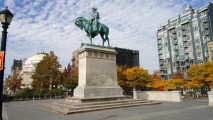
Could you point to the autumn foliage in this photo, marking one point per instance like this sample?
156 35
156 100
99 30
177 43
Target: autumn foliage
200 76
47 73
13 82
70 80
129 78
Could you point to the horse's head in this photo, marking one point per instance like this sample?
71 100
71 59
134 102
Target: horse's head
78 22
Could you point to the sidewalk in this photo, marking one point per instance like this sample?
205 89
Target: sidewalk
4 113
189 109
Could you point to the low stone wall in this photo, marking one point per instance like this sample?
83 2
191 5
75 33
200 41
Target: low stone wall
210 96
171 96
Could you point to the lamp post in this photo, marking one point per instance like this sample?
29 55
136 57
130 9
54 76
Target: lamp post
6 18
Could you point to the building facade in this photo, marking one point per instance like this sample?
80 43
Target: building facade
210 49
157 72
17 65
28 68
182 41
75 59
125 57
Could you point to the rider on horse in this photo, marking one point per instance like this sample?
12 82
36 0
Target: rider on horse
94 20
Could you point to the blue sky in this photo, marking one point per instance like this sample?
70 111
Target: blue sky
49 25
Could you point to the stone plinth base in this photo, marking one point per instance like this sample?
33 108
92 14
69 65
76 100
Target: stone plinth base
97 73
97 91
97 99
210 95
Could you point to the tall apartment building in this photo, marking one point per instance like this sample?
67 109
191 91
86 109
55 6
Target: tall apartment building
210 49
182 41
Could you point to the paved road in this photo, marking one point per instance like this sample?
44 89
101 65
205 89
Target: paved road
187 110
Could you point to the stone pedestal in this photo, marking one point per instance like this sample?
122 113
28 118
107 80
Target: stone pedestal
97 74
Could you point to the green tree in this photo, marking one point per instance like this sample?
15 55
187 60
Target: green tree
47 73
70 83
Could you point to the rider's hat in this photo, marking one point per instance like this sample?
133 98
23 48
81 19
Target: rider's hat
94 8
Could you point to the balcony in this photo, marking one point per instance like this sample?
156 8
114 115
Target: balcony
161 62
185 39
205 20
184 33
205 26
187 64
185 45
160 52
174 37
159 38
161 57
175 42
175 47
186 51
206 32
183 21
159 42
160 47
176 53
183 28
173 31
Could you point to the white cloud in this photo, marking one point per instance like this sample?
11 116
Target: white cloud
49 25
9 3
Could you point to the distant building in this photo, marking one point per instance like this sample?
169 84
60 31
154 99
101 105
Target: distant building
210 50
28 68
129 58
157 72
75 59
17 65
182 41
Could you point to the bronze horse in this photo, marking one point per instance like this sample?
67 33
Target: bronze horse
83 23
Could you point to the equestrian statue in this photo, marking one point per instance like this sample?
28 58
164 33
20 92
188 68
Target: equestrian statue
92 27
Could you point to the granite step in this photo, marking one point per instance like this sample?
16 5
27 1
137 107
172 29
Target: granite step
106 104
108 107
54 108
65 108
93 103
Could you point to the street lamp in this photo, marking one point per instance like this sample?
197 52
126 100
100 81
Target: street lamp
6 18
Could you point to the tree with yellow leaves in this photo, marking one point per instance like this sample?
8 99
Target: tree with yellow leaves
177 81
137 78
155 83
122 79
200 76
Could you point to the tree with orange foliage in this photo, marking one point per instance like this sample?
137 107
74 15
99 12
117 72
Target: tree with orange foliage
137 78
200 76
13 82
155 83
70 81
208 73
122 79
196 77
177 81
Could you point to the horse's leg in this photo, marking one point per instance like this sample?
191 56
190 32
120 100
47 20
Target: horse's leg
102 36
90 38
106 36
107 40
